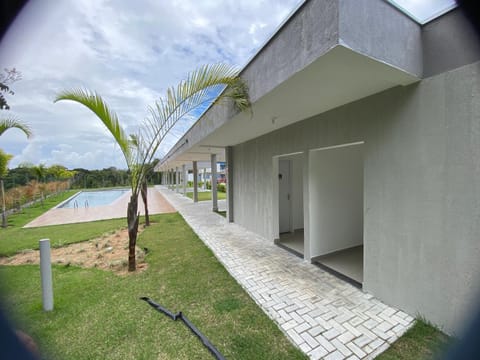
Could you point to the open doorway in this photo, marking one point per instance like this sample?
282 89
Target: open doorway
336 209
290 203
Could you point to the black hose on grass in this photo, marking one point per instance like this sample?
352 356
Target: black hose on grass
187 322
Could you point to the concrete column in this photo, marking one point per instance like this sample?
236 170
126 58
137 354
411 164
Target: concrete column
204 178
306 206
184 176
195 182
229 178
177 179
213 180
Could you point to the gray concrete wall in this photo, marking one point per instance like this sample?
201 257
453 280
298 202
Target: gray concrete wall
449 42
422 189
379 30
310 33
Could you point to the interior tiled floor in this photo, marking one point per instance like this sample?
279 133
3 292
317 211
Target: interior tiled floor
348 262
293 241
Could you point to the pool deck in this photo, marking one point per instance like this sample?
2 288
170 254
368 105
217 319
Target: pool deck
157 204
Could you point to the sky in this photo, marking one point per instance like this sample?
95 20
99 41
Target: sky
130 52
127 51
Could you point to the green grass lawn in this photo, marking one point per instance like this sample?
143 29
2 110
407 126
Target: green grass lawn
98 315
422 341
207 195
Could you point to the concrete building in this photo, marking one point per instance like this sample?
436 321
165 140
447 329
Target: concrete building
362 151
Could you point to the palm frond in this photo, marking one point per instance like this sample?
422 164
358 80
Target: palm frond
109 118
191 94
12 122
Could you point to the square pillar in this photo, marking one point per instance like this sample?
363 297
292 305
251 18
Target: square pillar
195 182
306 206
177 179
213 180
204 178
229 178
184 176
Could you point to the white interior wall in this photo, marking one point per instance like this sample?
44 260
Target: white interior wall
336 199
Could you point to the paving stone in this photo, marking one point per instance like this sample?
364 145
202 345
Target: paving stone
385 326
341 347
309 340
346 337
369 324
305 348
325 343
295 337
330 334
362 341
356 350
382 335
318 353
337 355
356 321
376 344
302 327
289 325
284 315
316 330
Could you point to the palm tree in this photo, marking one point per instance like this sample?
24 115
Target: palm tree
5 124
144 188
140 148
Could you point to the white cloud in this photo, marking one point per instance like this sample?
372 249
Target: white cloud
129 52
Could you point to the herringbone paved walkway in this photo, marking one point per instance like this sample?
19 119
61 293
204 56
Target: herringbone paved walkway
325 317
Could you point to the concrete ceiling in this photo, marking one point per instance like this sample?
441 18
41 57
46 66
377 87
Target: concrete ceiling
339 77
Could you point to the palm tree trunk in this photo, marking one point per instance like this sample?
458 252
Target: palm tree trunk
144 191
4 210
132 219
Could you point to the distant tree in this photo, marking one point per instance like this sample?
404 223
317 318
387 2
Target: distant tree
6 124
59 172
6 79
188 96
40 172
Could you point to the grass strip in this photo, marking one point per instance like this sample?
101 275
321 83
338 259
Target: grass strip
98 315
207 195
421 341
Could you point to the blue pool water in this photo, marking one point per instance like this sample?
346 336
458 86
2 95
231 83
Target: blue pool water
93 198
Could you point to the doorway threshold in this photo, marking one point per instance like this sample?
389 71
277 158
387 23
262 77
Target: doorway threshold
292 242
346 264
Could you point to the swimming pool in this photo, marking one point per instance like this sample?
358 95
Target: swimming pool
93 198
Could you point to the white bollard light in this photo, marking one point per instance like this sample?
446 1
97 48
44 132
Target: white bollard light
46 275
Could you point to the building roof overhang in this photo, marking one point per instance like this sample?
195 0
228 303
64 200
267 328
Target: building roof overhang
288 85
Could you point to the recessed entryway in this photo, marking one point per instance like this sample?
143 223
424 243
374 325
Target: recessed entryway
336 208
289 180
